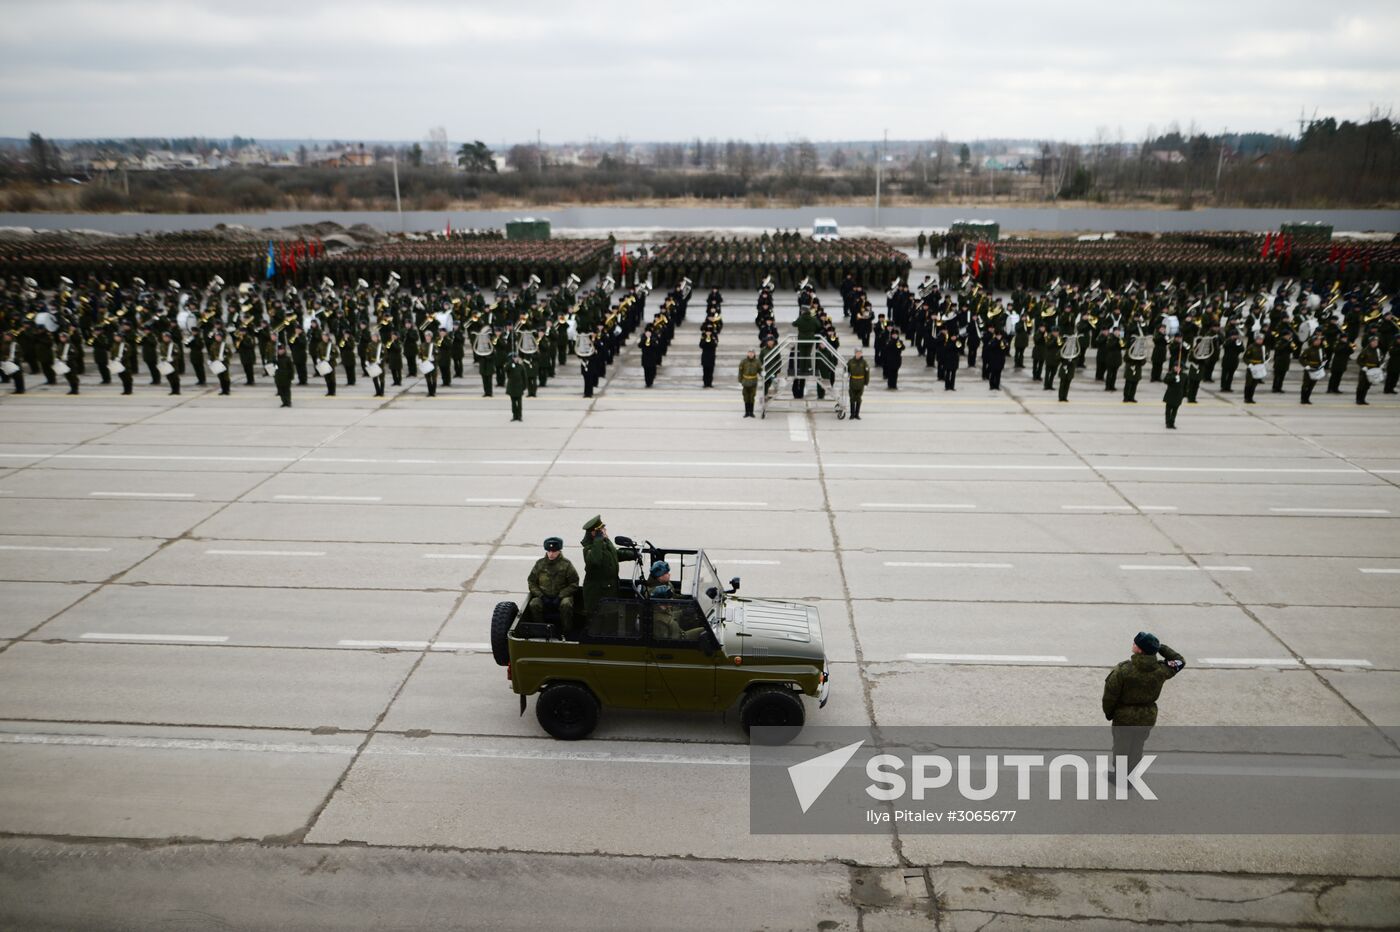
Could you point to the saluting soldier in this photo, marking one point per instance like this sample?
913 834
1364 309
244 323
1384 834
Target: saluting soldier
600 563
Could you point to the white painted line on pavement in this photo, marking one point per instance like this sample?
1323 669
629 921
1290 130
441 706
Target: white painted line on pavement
739 758
970 566
1250 661
329 498
142 494
495 501
1379 570
453 556
151 456
1157 508
178 638
1098 508
266 553
1332 511
723 562
461 645
716 504
976 467
989 658
57 549
1189 569
1335 662
903 505
797 428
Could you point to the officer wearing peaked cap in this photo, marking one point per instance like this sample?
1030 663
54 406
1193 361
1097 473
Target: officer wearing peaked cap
600 563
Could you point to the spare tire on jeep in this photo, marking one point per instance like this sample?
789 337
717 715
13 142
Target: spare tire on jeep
501 619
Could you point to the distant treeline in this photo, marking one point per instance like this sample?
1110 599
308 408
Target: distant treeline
1332 164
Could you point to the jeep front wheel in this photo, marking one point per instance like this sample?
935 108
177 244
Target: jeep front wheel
567 711
501 620
775 708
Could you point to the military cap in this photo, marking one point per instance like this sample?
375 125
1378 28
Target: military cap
593 523
1147 642
553 543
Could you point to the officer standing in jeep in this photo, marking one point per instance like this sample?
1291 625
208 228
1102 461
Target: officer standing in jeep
553 582
600 563
1130 695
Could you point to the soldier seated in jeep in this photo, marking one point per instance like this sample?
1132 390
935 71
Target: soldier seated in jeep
553 584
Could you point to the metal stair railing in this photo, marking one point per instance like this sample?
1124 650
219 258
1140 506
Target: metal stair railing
793 359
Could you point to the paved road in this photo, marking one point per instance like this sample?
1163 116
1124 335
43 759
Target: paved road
245 677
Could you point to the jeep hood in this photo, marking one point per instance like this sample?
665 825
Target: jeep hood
778 630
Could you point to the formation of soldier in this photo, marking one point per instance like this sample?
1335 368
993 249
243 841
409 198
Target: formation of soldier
384 332
743 262
459 261
1179 335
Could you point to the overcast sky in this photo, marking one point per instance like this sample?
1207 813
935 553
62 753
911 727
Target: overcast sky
659 70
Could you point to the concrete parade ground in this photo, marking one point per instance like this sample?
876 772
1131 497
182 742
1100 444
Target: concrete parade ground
244 678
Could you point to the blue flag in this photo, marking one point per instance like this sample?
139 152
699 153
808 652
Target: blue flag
271 262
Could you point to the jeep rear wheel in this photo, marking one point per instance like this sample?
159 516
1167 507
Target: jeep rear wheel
778 711
567 711
501 619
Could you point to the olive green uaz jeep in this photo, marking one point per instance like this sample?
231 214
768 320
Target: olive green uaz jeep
704 650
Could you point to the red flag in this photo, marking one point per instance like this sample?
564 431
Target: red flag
623 262
449 226
1268 244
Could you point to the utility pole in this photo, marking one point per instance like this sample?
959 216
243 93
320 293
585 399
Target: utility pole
397 201
1220 162
879 170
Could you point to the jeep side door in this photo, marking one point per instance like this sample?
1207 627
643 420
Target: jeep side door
680 674
615 653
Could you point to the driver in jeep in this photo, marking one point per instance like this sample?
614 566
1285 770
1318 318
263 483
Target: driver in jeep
665 622
553 582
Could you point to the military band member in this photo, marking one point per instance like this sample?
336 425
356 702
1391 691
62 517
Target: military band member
1367 362
1254 355
219 353
372 356
427 365
515 387
169 347
66 353
282 375
1313 359
327 358
1230 359
1174 393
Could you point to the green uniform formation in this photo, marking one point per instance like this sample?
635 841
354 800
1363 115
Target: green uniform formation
744 262
455 261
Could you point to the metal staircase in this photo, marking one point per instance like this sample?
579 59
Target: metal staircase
793 359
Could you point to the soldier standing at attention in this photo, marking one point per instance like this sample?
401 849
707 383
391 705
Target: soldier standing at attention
749 371
858 372
709 343
282 376
922 241
1175 392
515 388
1130 695
994 357
1110 356
553 582
600 563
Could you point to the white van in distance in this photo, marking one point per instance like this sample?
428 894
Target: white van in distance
824 230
